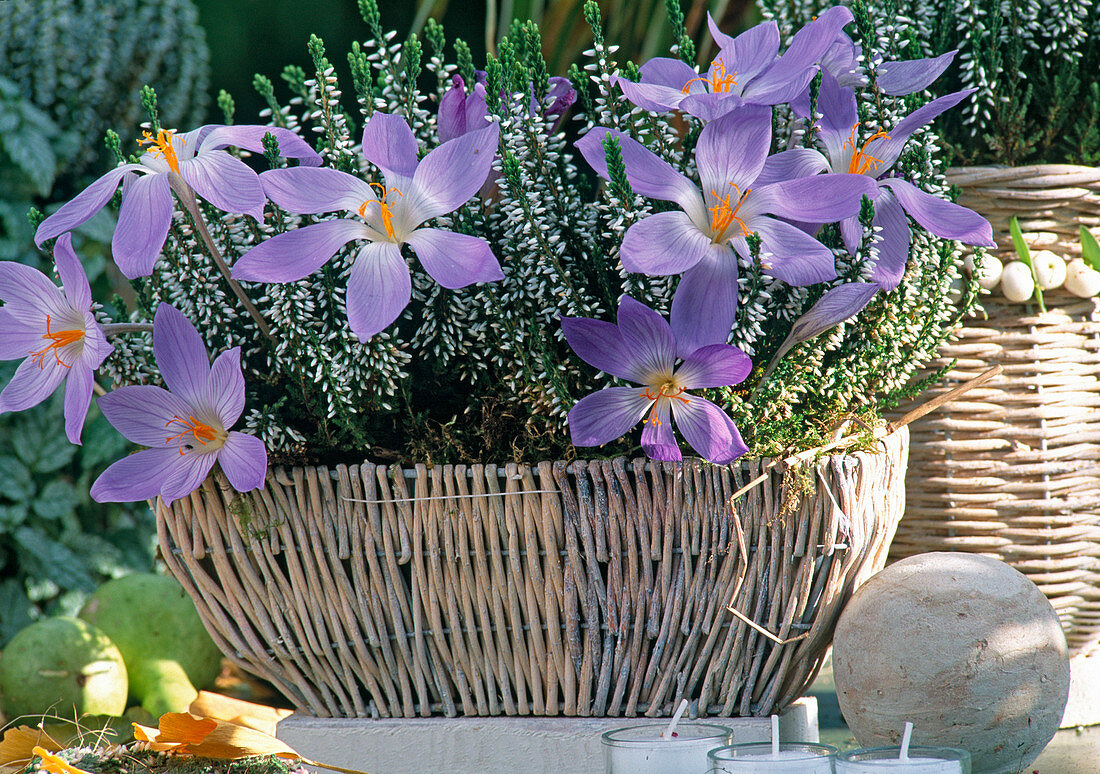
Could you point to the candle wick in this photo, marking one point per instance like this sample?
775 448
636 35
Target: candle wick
670 732
775 735
906 736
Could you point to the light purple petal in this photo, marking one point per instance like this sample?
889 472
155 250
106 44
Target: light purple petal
451 174
311 191
941 217
379 289
815 199
665 243
792 255
244 460
811 42
909 76
84 205
791 164
181 355
451 118
653 97
73 278
732 149
250 137
707 107
289 257
667 72
851 232
658 440
389 144
143 224
142 412
226 182
455 260
601 345
834 307
225 387
30 385
888 149
135 477
78 396
839 118
186 475
606 415
649 336
780 83
891 241
29 296
750 53
708 430
705 304
722 40
716 365
17 338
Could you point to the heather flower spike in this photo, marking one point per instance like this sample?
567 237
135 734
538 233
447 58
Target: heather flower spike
199 160
186 427
704 238
643 348
390 215
55 331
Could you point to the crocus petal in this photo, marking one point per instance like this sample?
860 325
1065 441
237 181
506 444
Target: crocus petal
250 137
851 233
653 97
707 107
17 339
606 415
716 365
83 206
455 260
379 288
311 191
811 42
891 241
750 53
839 117
705 304
289 257
30 385
29 296
665 243
792 255
451 118
906 77
722 40
601 345
135 477
667 72
648 335
143 222
708 430
244 460
814 199
226 182
181 355
225 387
941 217
732 149
78 396
833 308
389 144
73 278
451 174
186 475
647 173
658 440
140 413
889 148
791 164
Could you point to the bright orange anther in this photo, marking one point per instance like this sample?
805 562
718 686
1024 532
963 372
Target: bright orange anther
59 339
674 393
717 79
862 161
164 149
387 214
201 433
723 214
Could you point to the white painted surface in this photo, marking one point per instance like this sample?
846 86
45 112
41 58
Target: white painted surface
530 745
1083 708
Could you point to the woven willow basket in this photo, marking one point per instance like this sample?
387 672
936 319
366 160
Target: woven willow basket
1013 469
592 589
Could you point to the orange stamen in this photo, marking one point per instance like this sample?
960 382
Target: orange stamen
59 339
387 214
722 214
648 395
201 433
164 149
862 161
717 79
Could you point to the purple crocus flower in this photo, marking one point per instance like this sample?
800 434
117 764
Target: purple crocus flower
390 215
461 112
55 327
643 348
747 69
186 427
704 238
198 159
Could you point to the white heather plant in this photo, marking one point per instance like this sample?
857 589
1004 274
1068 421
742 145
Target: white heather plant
438 280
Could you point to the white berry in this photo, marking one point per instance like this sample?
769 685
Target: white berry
987 269
1016 281
1081 279
1050 269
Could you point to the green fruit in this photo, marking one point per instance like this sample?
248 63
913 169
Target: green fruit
167 650
60 666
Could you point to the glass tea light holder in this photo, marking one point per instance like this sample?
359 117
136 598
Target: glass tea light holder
772 757
659 748
907 759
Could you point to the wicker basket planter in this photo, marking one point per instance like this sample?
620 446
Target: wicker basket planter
591 589
1013 469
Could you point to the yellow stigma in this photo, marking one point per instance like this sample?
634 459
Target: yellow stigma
722 214
717 79
58 339
202 433
387 214
670 389
862 161
162 146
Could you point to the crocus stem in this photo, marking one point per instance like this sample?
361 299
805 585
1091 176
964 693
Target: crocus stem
122 329
187 198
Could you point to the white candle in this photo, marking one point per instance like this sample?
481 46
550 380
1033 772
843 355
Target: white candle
762 758
917 760
646 750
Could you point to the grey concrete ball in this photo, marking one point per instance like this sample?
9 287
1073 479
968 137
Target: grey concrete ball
961 645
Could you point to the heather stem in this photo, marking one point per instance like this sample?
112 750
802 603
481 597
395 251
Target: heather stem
121 329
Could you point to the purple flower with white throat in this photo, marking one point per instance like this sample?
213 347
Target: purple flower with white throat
55 330
740 193
186 427
643 348
199 160
389 216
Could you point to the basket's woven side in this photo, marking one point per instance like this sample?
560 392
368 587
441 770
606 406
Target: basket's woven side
596 589
1051 201
1012 469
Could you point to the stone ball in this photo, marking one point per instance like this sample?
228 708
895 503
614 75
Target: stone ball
961 645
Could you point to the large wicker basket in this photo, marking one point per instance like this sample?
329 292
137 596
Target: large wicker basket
591 589
1013 469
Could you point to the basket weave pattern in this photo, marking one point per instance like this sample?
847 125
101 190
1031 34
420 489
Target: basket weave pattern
593 589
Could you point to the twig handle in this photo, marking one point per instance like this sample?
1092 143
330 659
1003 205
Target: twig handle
939 400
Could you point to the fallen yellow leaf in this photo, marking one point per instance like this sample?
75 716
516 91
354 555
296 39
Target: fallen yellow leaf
244 713
17 747
54 765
